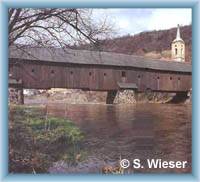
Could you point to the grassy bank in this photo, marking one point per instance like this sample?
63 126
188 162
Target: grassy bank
37 140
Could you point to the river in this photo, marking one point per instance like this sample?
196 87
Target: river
140 131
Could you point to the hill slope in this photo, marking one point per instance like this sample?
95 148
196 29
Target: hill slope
155 44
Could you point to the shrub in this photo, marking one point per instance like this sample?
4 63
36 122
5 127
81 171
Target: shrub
36 141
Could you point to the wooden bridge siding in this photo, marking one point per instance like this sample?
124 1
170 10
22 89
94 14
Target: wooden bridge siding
109 79
151 81
90 78
93 76
187 80
73 77
168 81
159 81
163 81
84 81
56 74
39 76
100 78
31 75
15 71
131 76
171 82
118 77
82 78
142 79
46 77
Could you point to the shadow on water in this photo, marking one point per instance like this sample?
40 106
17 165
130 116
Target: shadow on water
141 131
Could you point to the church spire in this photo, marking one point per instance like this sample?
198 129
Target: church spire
178 36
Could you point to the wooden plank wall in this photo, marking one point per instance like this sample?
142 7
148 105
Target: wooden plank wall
44 76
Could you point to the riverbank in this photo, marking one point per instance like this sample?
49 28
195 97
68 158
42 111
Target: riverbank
36 140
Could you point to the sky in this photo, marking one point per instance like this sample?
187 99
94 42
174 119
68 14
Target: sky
133 21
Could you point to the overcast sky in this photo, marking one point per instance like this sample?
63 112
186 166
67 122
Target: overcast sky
133 21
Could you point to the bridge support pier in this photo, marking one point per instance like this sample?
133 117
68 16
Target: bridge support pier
16 95
111 96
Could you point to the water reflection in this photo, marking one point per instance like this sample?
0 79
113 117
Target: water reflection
143 131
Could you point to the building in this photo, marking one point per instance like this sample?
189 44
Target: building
178 48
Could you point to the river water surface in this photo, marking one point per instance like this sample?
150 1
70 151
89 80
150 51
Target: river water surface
140 131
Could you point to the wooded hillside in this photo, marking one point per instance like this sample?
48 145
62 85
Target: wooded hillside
154 44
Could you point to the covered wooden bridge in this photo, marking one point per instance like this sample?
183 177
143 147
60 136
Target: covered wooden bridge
41 68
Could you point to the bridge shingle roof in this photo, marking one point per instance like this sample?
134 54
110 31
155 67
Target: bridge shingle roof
95 58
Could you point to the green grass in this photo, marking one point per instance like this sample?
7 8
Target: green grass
36 140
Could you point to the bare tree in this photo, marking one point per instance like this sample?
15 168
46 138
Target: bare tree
54 27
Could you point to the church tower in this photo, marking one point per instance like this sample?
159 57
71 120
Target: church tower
178 47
